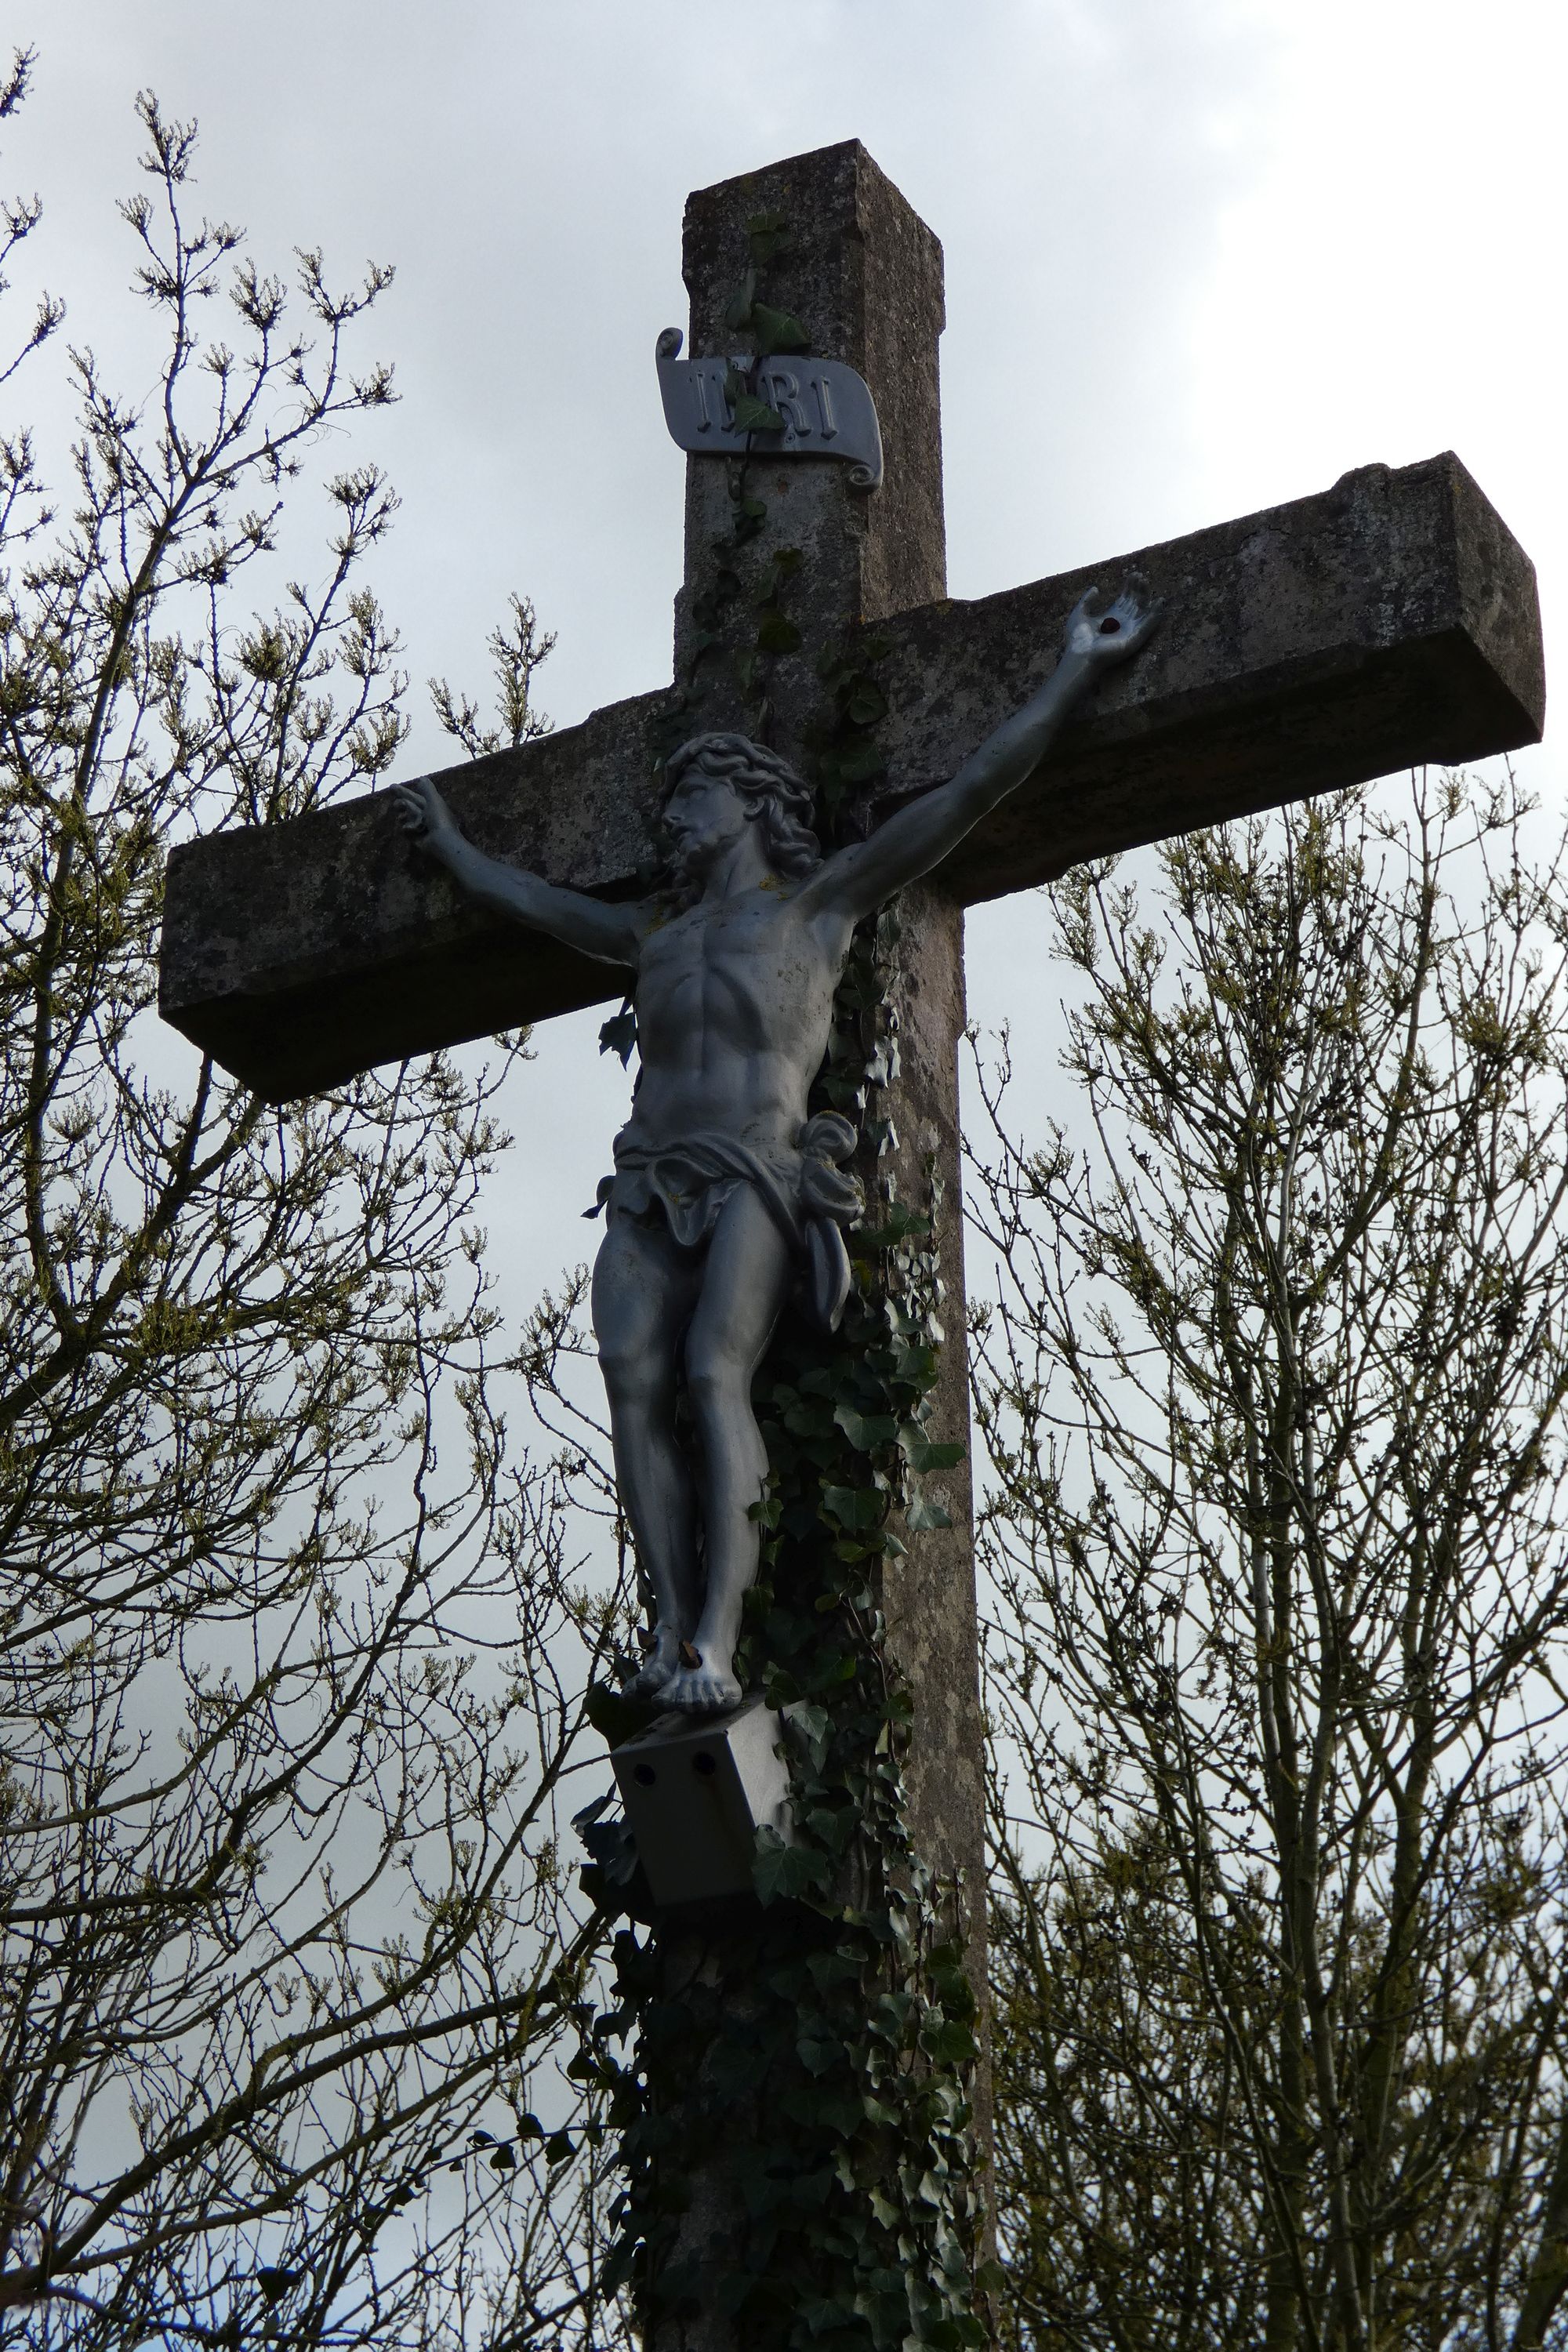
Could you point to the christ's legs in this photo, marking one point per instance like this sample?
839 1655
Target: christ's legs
744 1284
645 1288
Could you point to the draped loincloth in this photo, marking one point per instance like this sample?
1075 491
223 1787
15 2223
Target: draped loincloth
808 1196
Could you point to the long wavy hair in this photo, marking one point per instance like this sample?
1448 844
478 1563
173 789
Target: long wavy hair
770 791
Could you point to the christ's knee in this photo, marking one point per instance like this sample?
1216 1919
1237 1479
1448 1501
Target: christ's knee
718 1382
636 1382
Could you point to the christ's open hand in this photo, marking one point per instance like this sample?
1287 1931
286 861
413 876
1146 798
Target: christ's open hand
1100 640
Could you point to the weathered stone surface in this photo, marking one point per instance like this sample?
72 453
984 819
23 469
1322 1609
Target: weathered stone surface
300 953
928 1598
864 271
1389 622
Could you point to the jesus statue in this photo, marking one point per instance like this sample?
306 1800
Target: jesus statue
725 1193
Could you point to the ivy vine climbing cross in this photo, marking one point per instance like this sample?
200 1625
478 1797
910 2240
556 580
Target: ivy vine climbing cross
804 2133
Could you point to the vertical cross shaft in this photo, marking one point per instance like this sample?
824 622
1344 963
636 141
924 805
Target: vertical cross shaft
863 273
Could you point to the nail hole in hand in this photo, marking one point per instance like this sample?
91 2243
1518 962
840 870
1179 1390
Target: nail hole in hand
644 1775
1110 628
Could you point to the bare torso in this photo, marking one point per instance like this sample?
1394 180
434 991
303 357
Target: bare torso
734 1002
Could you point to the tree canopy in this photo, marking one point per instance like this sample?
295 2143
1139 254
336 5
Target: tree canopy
294 1632
1273 1392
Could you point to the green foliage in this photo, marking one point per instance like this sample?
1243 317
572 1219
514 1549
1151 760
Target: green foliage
777 331
754 416
767 236
849 758
715 606
619 1036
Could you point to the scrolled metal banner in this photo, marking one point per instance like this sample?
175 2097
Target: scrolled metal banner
786 406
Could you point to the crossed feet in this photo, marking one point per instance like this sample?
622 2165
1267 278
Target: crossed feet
675 1673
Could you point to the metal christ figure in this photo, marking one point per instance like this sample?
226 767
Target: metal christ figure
723 1190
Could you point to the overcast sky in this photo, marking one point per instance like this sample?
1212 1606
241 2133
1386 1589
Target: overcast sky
1202 256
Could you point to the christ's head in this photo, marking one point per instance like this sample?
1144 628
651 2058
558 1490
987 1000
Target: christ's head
717 784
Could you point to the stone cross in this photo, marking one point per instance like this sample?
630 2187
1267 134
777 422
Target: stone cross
1389 622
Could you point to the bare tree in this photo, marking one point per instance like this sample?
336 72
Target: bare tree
292 1639
516 649
1273 1387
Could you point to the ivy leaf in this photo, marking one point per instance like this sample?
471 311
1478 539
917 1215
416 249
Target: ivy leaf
833 1827
955 1992
865 1431
817 2057
852 1551
888 2017
789 1871
921 1454
738 309
777 331
619 2263
815 1725
754 416
842 1966
923 1516
854 1507
619 1035
777 634
916 1365
768 236
865 703
950 2044
616 1718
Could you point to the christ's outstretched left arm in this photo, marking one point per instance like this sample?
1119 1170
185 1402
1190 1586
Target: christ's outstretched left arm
919 836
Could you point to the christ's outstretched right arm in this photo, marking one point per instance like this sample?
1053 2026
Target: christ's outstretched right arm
921 835
609 933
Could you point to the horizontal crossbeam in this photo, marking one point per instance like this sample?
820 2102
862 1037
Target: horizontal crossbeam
1388 622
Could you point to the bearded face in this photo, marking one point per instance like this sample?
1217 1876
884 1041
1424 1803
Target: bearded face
704 817
723 782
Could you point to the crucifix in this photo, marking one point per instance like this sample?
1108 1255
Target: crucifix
1390 621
